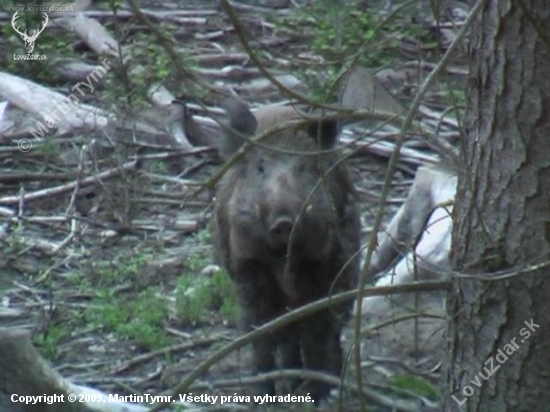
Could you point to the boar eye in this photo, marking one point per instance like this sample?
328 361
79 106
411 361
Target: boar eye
260 167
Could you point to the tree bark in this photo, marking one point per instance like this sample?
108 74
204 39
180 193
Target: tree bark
502 218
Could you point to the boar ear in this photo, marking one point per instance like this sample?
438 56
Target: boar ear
325 132
241 121
195 134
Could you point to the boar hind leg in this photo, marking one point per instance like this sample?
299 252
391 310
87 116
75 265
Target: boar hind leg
322 350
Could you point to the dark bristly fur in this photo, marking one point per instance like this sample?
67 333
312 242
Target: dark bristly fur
260 201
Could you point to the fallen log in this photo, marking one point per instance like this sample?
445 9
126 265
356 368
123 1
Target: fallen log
415 246
29 384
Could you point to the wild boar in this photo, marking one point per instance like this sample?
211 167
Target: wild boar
286 227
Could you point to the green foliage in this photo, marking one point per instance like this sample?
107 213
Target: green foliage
335 41
13 243
140 318
120 269
137 82
114 4
137 317
320 83
193 298
456 97
415 385
50 148
197 295
339 34
204 236
50 339
225 296
147 314
161 168
197 262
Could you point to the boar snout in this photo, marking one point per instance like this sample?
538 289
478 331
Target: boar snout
279 231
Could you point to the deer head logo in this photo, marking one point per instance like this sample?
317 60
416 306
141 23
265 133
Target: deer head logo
29 40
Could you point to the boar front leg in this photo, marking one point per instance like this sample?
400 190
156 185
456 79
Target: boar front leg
261 300
290 354
322 351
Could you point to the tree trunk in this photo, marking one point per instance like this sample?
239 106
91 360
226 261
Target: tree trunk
502 218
